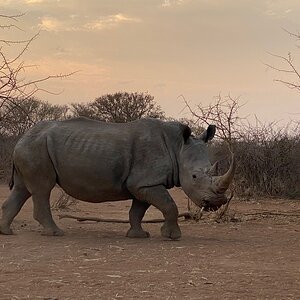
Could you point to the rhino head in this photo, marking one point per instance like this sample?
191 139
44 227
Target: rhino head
198 177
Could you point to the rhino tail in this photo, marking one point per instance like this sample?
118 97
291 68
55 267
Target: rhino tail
11 182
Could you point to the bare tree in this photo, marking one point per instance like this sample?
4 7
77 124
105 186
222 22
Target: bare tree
288 66
120 107
223 112
13 85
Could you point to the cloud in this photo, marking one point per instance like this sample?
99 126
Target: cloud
33 1
168 3
110 22
106 22
51 24
277 9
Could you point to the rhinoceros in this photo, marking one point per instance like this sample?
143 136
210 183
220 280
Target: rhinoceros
96 162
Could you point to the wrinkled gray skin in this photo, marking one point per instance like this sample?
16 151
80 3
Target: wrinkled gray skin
97 162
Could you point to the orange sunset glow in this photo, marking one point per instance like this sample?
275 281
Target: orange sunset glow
198 49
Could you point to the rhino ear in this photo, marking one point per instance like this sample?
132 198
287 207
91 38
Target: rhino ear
208 134
186 132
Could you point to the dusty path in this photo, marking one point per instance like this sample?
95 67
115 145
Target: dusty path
255 258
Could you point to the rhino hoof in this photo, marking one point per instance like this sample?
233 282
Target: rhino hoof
51 232
131 233
5 230
172 233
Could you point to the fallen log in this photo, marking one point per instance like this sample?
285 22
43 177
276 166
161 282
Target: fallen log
272 213
186 216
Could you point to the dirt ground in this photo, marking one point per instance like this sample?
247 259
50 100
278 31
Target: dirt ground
255 255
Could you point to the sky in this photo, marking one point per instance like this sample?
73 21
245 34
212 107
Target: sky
168 48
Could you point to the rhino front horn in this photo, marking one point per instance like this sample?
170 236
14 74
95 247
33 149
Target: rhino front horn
222 182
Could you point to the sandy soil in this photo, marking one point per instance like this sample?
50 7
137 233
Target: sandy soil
255 255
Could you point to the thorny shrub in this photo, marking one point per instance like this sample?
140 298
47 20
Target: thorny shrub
268 161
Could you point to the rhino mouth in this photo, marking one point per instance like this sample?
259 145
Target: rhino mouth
215 203
210 207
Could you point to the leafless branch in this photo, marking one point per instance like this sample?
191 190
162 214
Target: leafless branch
289 66
223 112
13 84
9 26
296 35
12 17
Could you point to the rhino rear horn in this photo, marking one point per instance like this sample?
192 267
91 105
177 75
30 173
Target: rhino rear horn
214 170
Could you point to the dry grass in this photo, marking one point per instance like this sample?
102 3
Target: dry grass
63 201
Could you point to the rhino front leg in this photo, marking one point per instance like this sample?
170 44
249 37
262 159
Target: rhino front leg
159 197
136 214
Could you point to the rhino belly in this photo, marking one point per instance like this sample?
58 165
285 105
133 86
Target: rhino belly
93 182
93 191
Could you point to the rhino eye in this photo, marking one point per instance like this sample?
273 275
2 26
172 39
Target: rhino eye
194 176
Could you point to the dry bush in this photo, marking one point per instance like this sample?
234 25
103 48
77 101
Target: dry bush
7 145
63 201
222 215
18 117
269 156
24 113
268 159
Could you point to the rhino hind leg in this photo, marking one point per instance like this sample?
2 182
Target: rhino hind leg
13 204
42 213
136 214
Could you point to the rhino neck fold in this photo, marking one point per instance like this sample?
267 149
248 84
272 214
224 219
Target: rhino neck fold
175 168
173 150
